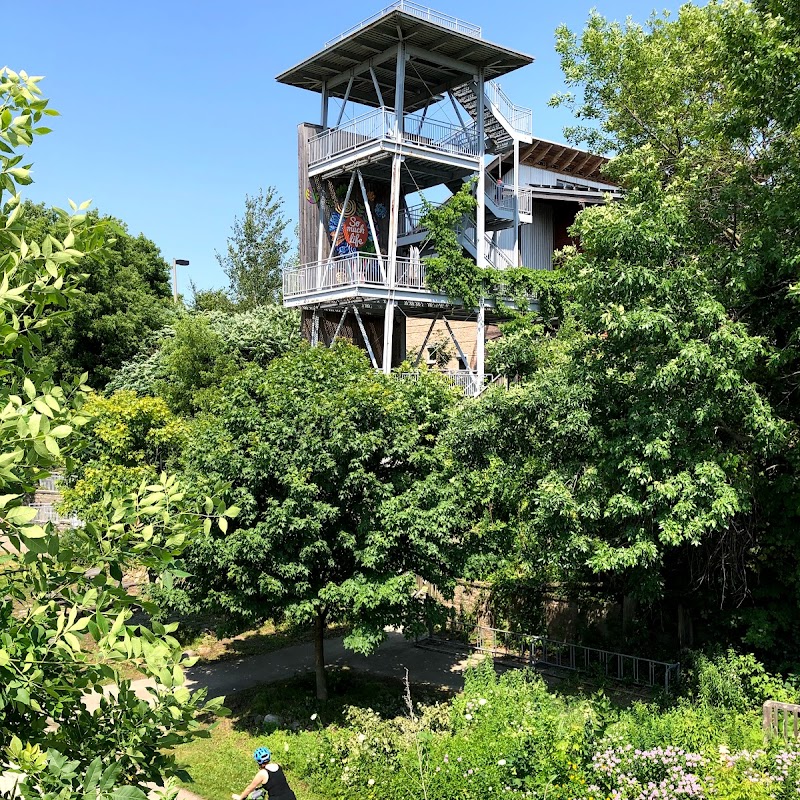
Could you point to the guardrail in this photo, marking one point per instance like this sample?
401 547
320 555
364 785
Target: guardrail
351 269
380 125
464 379
416 10
46 512
498 193
370 127
542 651
520 118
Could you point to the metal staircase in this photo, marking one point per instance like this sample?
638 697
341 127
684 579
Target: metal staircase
502 120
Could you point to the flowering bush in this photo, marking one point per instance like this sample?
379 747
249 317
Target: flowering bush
663 773
514 738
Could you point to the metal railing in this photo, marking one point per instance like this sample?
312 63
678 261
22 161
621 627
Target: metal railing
541 651
379 125
494 255
463 379
49 484
352 269
442 136
520 118
370 127
416 10
498 193
46 512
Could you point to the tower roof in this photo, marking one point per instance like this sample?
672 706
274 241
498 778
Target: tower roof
445 52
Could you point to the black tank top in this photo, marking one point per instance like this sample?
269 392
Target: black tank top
277 785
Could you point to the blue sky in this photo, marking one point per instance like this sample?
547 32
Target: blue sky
171 113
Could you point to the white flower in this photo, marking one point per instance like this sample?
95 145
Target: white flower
361 737
483 701
286 747
371 782
467 716
501 762
313 717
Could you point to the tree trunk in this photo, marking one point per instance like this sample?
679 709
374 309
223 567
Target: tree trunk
319 656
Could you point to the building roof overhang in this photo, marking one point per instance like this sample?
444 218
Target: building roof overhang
560 158
453 57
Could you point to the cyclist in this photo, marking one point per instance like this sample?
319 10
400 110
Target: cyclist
269 780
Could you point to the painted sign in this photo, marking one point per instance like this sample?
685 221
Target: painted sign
355 231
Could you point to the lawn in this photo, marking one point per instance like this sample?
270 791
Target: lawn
224 763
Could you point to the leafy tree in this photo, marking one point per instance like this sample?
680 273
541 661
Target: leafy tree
50 600
191 358
657 447
257 251
319 451
124 297
127 440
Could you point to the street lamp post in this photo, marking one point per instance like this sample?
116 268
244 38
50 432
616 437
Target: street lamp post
177 262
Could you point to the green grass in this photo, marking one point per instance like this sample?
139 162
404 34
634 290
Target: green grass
224 763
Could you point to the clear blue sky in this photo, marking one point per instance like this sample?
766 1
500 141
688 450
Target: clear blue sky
171 113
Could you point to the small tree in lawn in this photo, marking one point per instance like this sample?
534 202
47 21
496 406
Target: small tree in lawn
319 450
257 250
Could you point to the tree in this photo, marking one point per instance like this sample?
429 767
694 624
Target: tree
257 251
318 450
127 441
124 298
657 448
190 359
56 591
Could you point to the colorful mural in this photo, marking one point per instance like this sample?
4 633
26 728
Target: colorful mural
354 233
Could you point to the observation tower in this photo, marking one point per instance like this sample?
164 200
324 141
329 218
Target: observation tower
409 103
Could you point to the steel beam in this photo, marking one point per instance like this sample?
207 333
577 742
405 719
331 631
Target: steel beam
362 67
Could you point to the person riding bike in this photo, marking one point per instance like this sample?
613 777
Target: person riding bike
269 781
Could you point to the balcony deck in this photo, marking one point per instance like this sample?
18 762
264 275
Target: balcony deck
363 277
373 135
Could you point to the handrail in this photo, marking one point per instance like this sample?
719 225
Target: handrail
464 379
501 195
380 124
352 269
416 10
521 118
542 651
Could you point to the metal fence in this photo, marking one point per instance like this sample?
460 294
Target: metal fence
416 10
541 651
46 512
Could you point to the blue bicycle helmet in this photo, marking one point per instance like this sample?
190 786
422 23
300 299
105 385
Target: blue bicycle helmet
262 755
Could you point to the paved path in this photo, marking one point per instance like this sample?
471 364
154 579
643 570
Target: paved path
443 669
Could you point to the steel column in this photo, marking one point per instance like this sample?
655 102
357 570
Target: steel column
394 210
516 202
480 235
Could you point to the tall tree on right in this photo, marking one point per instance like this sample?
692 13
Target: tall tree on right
656 443
257 251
